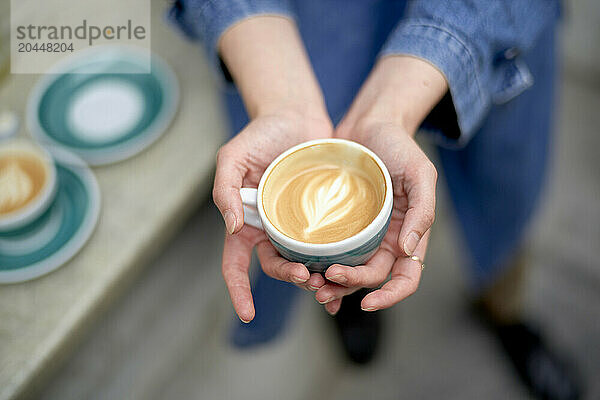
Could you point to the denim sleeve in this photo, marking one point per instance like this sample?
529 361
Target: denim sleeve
207 20
476 44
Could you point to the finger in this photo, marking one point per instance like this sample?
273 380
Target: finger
420 189
304 286
332 291
315 282
372 274
406 274
279 268
226 190
236 261
333 307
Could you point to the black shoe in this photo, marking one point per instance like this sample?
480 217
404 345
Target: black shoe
544 372
359 330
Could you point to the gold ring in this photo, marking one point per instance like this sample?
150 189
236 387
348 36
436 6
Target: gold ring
416 258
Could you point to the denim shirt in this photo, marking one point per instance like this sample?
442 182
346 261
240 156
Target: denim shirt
476 44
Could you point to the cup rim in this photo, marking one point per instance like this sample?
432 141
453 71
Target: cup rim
332 248
37 206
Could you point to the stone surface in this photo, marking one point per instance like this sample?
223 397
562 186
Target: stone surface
144 201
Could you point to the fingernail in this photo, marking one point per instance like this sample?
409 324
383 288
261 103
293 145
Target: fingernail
297 279
368 308
313 288
339 278
411 242
327 300
243 320
230 221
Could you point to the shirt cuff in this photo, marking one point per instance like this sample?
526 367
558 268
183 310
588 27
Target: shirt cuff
208 20
448 52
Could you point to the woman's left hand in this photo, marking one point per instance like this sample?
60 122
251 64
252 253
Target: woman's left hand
413 179
385 115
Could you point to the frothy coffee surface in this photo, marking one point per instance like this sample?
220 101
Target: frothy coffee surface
22 177
324 193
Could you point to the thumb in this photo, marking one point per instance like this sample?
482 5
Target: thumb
226 190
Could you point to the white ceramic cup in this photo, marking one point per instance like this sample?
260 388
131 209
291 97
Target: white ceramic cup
40 203
317 257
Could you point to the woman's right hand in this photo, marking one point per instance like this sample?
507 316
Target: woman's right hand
271 69
241 163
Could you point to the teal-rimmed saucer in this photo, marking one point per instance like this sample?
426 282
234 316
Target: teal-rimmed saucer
103 104
57 235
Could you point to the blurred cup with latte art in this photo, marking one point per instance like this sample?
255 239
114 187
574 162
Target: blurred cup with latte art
27 183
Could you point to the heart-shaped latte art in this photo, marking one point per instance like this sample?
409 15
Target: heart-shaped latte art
326 200
324 193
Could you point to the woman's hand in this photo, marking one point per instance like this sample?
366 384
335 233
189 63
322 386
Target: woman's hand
413 179
384 117
270 68
241 163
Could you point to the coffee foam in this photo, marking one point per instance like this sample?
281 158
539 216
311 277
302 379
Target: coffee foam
22 177
324 193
